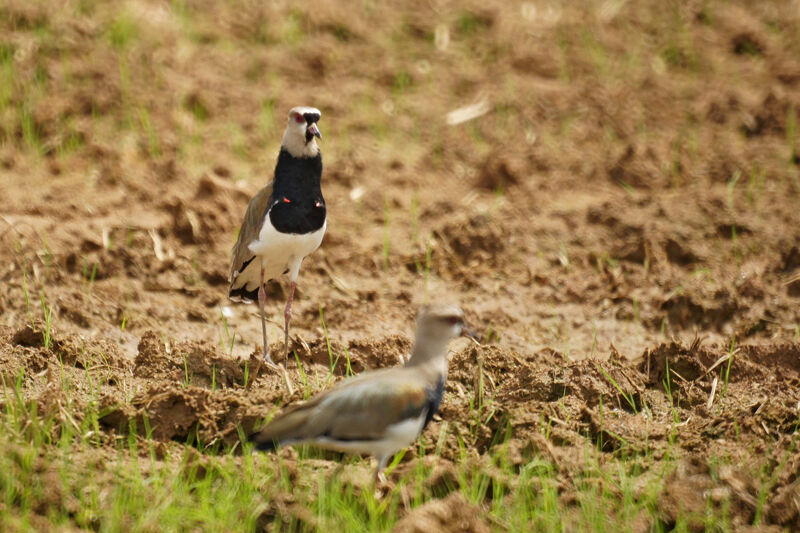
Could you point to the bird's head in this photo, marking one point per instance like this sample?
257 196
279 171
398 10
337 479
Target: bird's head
302 132
442 322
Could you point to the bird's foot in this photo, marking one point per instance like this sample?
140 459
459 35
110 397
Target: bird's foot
270 363
381 485
380 477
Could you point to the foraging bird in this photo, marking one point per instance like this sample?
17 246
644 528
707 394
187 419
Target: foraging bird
380 412
285 221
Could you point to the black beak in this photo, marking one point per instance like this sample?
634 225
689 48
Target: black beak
314 130
468 332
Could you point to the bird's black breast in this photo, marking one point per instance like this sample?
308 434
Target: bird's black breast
297 205
298 215
434 400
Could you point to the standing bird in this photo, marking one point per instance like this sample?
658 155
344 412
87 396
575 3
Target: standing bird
284 222
380 412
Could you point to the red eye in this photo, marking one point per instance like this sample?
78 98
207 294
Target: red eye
454 320
299 118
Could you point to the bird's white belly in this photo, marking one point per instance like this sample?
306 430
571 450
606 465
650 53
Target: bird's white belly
397 437
281 251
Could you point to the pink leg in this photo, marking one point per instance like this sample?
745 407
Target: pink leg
262 299
287 315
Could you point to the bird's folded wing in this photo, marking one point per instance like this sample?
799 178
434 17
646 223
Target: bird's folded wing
359 412
251 227
365 412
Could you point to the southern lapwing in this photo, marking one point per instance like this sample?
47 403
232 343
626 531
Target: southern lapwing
380 412
284 222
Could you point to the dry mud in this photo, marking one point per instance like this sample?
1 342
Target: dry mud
624 228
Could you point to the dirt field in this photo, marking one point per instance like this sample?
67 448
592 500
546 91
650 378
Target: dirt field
621 220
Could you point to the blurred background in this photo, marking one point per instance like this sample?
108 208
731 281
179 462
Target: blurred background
610 189
576 174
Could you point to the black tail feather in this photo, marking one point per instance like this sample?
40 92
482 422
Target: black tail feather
263 445
244 294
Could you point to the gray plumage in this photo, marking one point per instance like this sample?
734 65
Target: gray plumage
251 227
379 412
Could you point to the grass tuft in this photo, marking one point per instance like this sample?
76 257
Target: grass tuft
122 32
47 313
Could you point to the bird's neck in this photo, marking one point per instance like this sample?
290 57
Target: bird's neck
430 354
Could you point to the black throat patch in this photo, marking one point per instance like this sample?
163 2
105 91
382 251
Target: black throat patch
311 118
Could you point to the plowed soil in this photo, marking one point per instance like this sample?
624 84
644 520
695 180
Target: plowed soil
621 221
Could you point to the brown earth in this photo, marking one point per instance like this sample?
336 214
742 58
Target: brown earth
622 223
